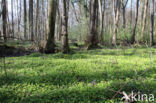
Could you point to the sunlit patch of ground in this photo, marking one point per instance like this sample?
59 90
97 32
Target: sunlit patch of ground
82 76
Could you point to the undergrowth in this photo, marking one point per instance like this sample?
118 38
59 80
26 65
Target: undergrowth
82 76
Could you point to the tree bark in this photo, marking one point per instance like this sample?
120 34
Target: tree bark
124 18
142 3
37 15
124 13
4 19
58 25
31 26
145 17
65 46
12 14
131 14
135 24
92 39
116 23
49 46
43 19
19 17
101 20
152 24
25 20
0 29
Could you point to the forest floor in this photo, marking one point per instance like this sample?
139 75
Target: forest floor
98 75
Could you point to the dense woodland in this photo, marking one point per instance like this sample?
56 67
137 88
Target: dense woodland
77 51
92 22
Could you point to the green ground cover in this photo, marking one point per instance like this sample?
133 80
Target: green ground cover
81 76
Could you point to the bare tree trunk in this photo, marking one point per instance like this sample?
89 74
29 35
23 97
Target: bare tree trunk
92 39
58 25
37 15
152 24
12 10
31 26
65 46
0 35
0 28
142 3
57 22
101 20
25 20
97 16
4 18
124 12
135 24
116 23
43 19
49 44
145 17
19 17
124 18
8 28
131 15
114 9
59 28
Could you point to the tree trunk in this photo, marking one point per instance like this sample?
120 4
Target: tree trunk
31 26
25 20
49 46
0 35
135 24
142 3
152 24
124 12
4 18
116 23
0 29
145 17
59 25
124 18
92 39
43 19
19 18
12 10
57 22
131 15
101 20
37 15
65 46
